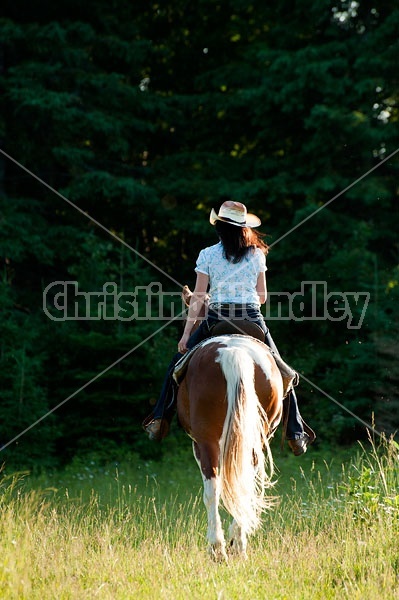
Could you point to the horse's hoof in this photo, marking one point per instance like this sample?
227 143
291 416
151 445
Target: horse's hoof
237 549
218 553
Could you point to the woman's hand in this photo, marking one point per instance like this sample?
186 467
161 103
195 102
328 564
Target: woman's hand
182 345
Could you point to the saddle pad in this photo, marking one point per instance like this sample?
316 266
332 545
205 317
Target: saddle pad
289 376
180 369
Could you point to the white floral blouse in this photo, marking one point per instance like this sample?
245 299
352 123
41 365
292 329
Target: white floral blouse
231 282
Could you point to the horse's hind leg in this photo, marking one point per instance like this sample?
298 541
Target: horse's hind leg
237 540
237 535
206 457
217 546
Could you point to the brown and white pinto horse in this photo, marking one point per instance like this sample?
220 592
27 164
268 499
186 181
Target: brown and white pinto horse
230 403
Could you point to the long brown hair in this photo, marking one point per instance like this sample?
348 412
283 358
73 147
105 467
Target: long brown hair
238 241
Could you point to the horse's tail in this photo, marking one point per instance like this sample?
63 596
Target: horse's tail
243 463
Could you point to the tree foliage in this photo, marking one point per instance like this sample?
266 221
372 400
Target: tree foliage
145 115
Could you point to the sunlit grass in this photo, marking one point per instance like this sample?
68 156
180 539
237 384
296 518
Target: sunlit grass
137 530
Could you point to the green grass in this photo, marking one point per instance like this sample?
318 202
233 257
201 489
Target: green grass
137 530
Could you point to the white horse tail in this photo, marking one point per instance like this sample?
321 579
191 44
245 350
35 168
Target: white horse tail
242 463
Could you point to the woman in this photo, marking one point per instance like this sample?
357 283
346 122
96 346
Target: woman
234 269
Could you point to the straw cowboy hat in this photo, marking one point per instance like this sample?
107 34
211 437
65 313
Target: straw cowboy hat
234 213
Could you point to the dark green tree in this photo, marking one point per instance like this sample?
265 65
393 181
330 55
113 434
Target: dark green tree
145 115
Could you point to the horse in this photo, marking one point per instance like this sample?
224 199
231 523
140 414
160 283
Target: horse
230 403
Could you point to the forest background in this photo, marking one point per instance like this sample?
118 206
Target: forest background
144 116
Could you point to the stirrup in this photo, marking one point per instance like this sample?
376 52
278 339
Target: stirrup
157 429
300 445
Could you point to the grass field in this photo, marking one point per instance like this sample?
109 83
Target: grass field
137 530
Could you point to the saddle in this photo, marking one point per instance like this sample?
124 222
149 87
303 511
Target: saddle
238 326
289 376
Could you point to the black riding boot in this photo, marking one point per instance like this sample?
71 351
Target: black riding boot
297 432
157 424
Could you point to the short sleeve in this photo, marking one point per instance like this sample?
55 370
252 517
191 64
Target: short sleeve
202 265
261 261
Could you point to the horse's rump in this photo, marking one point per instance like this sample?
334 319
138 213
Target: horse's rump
203 387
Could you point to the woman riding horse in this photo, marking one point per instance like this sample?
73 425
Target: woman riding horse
234 269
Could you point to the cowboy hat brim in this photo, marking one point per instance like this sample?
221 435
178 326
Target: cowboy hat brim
251 220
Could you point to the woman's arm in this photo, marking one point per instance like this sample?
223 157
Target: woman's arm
196 303
261 288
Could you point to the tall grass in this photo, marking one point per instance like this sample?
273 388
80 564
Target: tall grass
138 531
